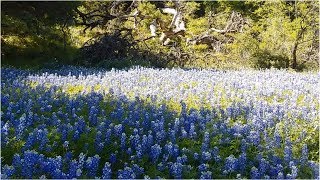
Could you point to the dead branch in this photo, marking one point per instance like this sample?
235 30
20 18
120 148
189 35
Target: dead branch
234 24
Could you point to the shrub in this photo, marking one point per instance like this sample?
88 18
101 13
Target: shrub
265 60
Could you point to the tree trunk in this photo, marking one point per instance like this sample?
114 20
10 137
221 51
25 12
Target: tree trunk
294 55
295 47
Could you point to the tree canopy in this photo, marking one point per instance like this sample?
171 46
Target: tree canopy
206 34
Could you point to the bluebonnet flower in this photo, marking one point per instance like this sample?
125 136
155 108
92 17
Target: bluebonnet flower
123 141
206 141
129 151
254 174
176 151
93 119
215 153
73 167
279 168
203 167
172 135
273 172
81 125
7 171
184 133
287 153
161 166
150 140
16 161
206 175
192 132
185 150
66 144
135 131
277 138
176 125
64 134
155 152
19 125
58 174
30 160
4 133
126 173
81 160
106 171
169 147
30 141
76 135
99 147
230 164
263 166
139 152
108 136
92 165
184 159
68 156
280 175
242 161
315 169
137 170
294 172
135 141
161 136
304 154
243 145
54 166
113 158
118 129
206 156
254 137
196 156
144 143
176 170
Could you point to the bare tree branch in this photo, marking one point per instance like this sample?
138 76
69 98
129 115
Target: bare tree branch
234 24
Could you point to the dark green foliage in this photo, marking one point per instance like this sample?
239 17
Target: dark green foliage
265 60
35 33
115 51
105 48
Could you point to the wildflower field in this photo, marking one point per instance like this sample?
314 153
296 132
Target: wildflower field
159 123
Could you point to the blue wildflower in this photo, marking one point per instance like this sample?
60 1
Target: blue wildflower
126 173
7 171
113 158
206 175
106 171
155 152
206 156
304 154
123 141
176 170
92 165
230 164
254 173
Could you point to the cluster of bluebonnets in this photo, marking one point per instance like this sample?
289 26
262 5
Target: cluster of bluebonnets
159 123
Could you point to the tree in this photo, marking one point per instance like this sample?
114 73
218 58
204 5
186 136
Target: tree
287 29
